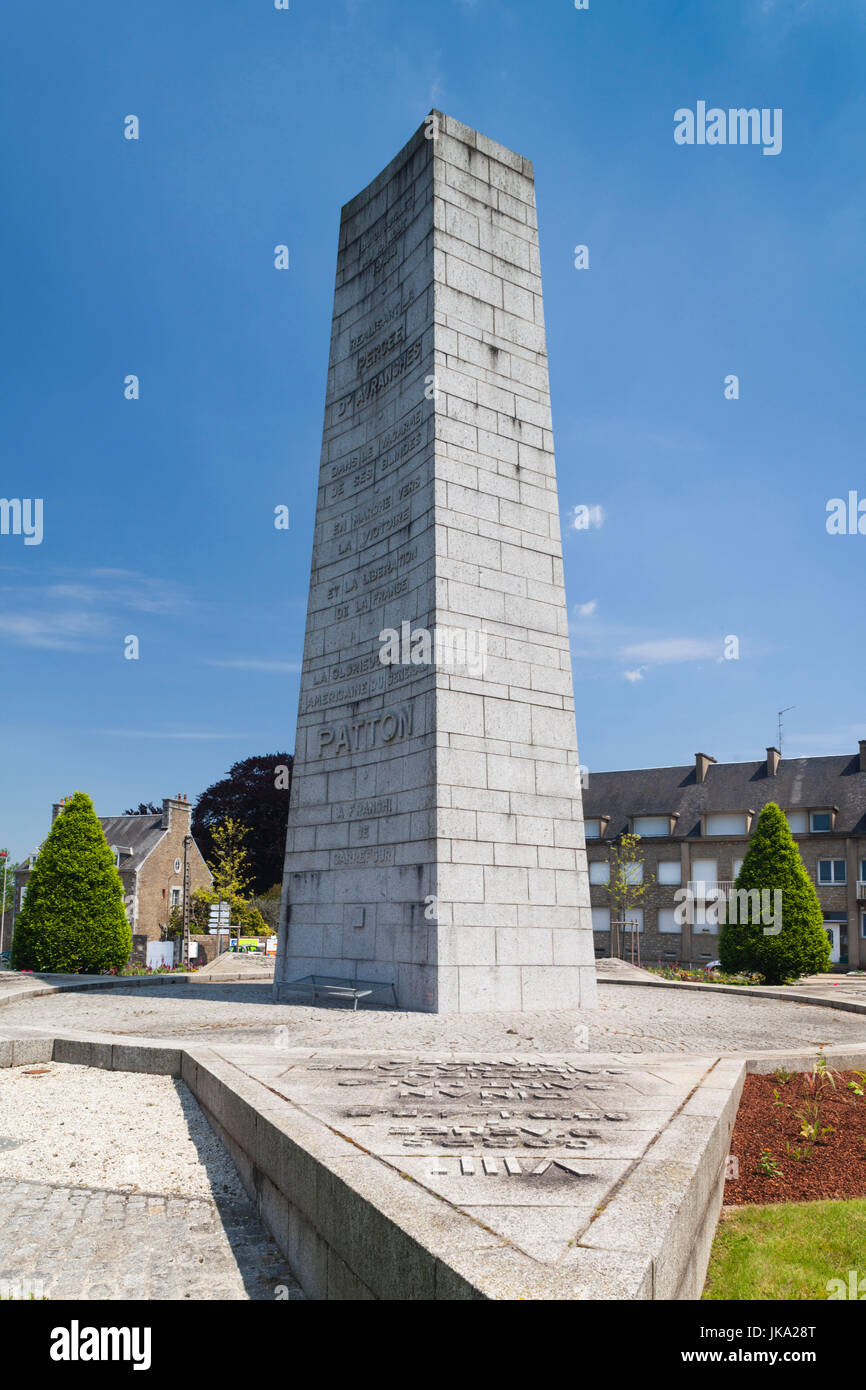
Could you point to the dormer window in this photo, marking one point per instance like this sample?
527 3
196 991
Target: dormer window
798 822
650 827
728 823
592 829
821 822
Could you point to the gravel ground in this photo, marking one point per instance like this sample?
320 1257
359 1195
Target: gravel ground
113 1186
629 1019
110 1129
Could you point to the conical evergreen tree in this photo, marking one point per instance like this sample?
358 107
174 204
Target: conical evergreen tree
73 917
802 946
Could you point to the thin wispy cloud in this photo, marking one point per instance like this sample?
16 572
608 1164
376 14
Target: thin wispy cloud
662 651
81 611
249 663
53 631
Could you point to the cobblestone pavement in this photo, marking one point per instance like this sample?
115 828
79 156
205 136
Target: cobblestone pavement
628 1019
93 1243
113 1185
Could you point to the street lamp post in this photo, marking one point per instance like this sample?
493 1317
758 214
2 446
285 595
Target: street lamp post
186 840
4 855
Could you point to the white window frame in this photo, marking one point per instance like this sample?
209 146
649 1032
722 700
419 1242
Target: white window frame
663 821
599 914
736 833
812 815
599 867
589 833
175 888
670 865
669 914
801 830
832 881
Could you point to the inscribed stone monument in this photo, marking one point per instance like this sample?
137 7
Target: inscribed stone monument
435 839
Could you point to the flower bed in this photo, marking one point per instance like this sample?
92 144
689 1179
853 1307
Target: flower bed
800 1137
702 975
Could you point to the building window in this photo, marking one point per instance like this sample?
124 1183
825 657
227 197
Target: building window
631 920
832 871
819 822
592 829
633 872
705 873
668 920
670 871
863 870
649 826
738 864
863 924
175 897
798 822
601 919
727 824
599 872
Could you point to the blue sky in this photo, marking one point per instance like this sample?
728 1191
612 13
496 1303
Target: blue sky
155 257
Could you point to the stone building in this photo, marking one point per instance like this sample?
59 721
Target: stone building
695 823
148 851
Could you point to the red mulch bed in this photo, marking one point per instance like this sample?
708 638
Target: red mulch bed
836 1167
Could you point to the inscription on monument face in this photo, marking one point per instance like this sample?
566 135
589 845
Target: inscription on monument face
380 382
362 735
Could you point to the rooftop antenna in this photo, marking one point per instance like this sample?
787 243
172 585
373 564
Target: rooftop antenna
781 712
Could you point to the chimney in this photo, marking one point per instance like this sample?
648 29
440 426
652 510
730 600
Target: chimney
702 766
774 757
55 810
176 813
863 755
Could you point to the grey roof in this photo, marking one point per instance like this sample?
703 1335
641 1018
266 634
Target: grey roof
134 836
804 783
137 834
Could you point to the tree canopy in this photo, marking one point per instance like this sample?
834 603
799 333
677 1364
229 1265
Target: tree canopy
773 863
73 917
255 794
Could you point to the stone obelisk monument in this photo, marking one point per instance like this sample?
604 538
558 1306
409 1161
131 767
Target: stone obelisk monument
435 838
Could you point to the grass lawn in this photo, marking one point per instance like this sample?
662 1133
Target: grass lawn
787 1250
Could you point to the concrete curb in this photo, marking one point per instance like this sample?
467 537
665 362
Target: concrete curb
746 992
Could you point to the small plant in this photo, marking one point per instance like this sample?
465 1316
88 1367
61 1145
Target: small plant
768 1166
782 1076
820 1075
858 1086
811 1128
779 1104
801 1154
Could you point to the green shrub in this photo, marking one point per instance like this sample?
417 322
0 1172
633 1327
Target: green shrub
802 946
73 917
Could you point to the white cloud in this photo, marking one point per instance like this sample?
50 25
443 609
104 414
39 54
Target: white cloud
635 675
664 650
586 610
50 631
